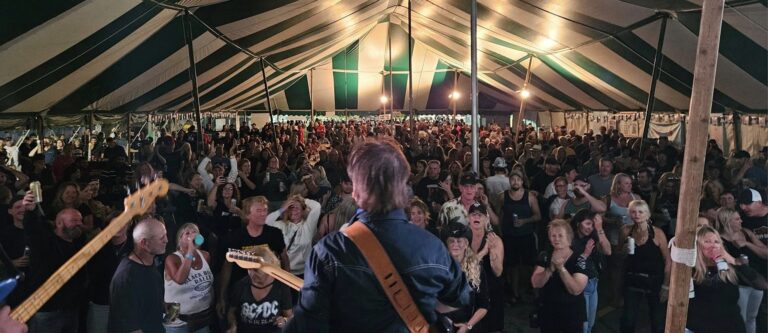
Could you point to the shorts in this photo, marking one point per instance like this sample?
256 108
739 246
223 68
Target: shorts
520 250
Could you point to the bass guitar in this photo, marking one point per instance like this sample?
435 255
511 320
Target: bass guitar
135 204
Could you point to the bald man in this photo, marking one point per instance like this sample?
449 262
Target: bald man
136 291
50 249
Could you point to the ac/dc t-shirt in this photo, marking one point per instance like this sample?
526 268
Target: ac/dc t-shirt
239 239
258 315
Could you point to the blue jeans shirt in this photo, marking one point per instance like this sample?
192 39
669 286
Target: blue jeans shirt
341 293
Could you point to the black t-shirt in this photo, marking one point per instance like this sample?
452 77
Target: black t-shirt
258 315
594 262
239 239
554 292
758 225
100 270
49 252
540 181
136 292
14 242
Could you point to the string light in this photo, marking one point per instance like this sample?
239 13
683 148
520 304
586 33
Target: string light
525 93
383 99
454 95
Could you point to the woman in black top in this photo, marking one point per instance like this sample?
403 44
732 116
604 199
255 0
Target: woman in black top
490 249
561 274
257 303
592 244
740 242
646 268
715 307
225 201
468 318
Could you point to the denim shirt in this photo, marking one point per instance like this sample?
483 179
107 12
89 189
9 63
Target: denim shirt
341 293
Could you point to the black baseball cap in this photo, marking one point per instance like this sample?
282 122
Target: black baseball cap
457 230
750 195
469 178
477 207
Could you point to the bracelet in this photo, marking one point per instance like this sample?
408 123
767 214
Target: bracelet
601 232
665 288
189 256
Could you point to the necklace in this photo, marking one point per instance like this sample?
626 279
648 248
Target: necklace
137 257
264 287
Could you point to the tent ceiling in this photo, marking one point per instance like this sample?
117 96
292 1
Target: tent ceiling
334 55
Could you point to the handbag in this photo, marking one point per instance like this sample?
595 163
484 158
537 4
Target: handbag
388 277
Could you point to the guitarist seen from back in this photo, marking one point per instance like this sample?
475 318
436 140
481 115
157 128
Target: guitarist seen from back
340 292
52 246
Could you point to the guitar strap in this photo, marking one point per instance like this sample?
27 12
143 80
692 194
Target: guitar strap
388 277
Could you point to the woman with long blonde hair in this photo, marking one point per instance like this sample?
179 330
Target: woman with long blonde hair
646 268
742 242
468 318
715 307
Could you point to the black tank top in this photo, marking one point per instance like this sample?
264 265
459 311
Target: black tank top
523 210
647 258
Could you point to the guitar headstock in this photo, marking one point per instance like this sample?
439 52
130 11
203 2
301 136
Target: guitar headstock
137 203
244 259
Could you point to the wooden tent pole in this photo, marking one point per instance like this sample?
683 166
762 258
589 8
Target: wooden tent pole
693 162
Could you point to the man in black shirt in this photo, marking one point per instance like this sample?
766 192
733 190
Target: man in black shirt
15 244
255 234
136 291
50 248
754 216
542 179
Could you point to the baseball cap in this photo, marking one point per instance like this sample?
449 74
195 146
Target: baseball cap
741 154
477 207
500 162
469 178
457 230
536 147
749 196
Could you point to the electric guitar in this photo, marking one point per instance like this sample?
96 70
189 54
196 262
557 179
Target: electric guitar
135 204
246 260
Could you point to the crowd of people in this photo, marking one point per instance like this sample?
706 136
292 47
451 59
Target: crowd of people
548 217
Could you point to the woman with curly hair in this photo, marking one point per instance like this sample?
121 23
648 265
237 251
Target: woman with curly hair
468 318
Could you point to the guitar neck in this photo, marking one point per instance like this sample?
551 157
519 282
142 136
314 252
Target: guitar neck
35 301
286 278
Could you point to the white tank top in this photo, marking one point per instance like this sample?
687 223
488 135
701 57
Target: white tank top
196 293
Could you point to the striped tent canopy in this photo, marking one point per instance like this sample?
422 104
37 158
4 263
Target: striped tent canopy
69 56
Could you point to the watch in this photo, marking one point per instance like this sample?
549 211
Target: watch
469 326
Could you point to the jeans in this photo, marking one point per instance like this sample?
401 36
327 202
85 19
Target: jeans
61 321
183 329
590 296
98 316
749 302
656 310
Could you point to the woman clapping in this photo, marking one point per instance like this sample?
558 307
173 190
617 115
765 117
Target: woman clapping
561 275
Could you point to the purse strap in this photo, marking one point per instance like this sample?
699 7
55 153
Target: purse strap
388 277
